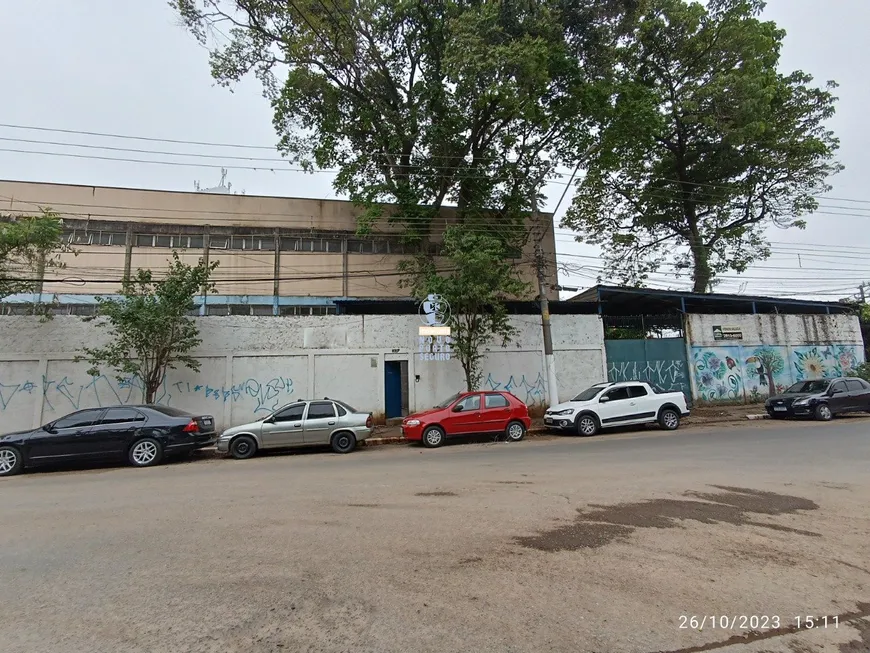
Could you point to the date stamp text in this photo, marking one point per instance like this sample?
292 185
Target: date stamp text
743 622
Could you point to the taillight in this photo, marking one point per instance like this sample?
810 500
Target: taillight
192 427
369 422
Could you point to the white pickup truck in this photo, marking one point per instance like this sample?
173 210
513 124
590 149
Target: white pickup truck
606 405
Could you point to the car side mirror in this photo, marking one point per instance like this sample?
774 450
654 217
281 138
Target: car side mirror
835 391
604 399
457 408
269 420
49 428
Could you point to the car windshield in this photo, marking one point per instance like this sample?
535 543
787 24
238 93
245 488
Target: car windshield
589 393
447 402
809 386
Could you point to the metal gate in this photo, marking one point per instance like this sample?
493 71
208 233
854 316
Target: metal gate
656 353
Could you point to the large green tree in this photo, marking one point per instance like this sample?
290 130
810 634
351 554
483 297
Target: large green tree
479 278
149 328
28 246
422 103
706 144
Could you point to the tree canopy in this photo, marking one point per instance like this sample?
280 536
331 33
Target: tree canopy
29 245
705 145
150 330
420 103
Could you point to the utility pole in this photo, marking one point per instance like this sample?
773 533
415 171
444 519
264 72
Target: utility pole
863 294
549 359
540 270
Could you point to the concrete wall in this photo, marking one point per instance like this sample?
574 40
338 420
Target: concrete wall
776 351
252 365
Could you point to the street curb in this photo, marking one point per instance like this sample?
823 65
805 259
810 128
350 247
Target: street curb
758 416
376 442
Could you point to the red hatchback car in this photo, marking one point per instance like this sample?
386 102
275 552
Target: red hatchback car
467 413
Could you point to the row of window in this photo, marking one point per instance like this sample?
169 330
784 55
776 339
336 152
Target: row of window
251 243
211 309
240 242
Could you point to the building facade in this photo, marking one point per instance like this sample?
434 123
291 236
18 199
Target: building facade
277 255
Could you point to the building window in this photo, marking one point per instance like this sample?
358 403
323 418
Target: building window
324 310
82 237
217 309
241 242
163 241
113 238
357 246
218 242
261 309
239 309
82 309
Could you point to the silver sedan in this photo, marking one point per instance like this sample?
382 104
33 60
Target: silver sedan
299 424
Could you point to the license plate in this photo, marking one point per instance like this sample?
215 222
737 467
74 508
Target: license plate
548 420
780 409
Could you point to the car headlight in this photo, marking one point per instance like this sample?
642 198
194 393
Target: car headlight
567 411
801 402
412 422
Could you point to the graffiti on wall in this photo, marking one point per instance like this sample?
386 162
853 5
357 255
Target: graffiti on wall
64 394
268 395
667 374
532 392
737 373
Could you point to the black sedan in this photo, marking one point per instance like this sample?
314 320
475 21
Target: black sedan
143 435
821 399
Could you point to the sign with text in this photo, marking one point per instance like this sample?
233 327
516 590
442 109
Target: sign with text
724 332
435 348
433 340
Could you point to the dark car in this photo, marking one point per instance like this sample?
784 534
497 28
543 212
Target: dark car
821 399
468 413
143 435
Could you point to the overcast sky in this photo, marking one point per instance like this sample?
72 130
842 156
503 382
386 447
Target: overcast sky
126 67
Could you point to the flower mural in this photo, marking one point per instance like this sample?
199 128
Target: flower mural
822 362
718 374
738 373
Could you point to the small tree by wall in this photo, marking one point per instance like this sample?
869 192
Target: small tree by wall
475 280
149 327
28 246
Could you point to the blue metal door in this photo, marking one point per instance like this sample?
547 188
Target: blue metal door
393 388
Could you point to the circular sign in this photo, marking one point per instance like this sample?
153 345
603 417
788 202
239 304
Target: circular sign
434 311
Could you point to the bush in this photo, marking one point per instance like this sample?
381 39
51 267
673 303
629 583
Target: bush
863 371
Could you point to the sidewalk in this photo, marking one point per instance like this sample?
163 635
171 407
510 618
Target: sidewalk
701 416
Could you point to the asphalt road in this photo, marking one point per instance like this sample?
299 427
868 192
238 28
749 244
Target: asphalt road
605 544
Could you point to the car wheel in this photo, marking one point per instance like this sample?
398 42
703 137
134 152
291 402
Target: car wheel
515 431
243 447
10 461
343 442
433 437
145 453
669 419
823 413
587 425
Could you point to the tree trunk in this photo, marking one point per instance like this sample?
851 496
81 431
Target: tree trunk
771 386
701 273
467 369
